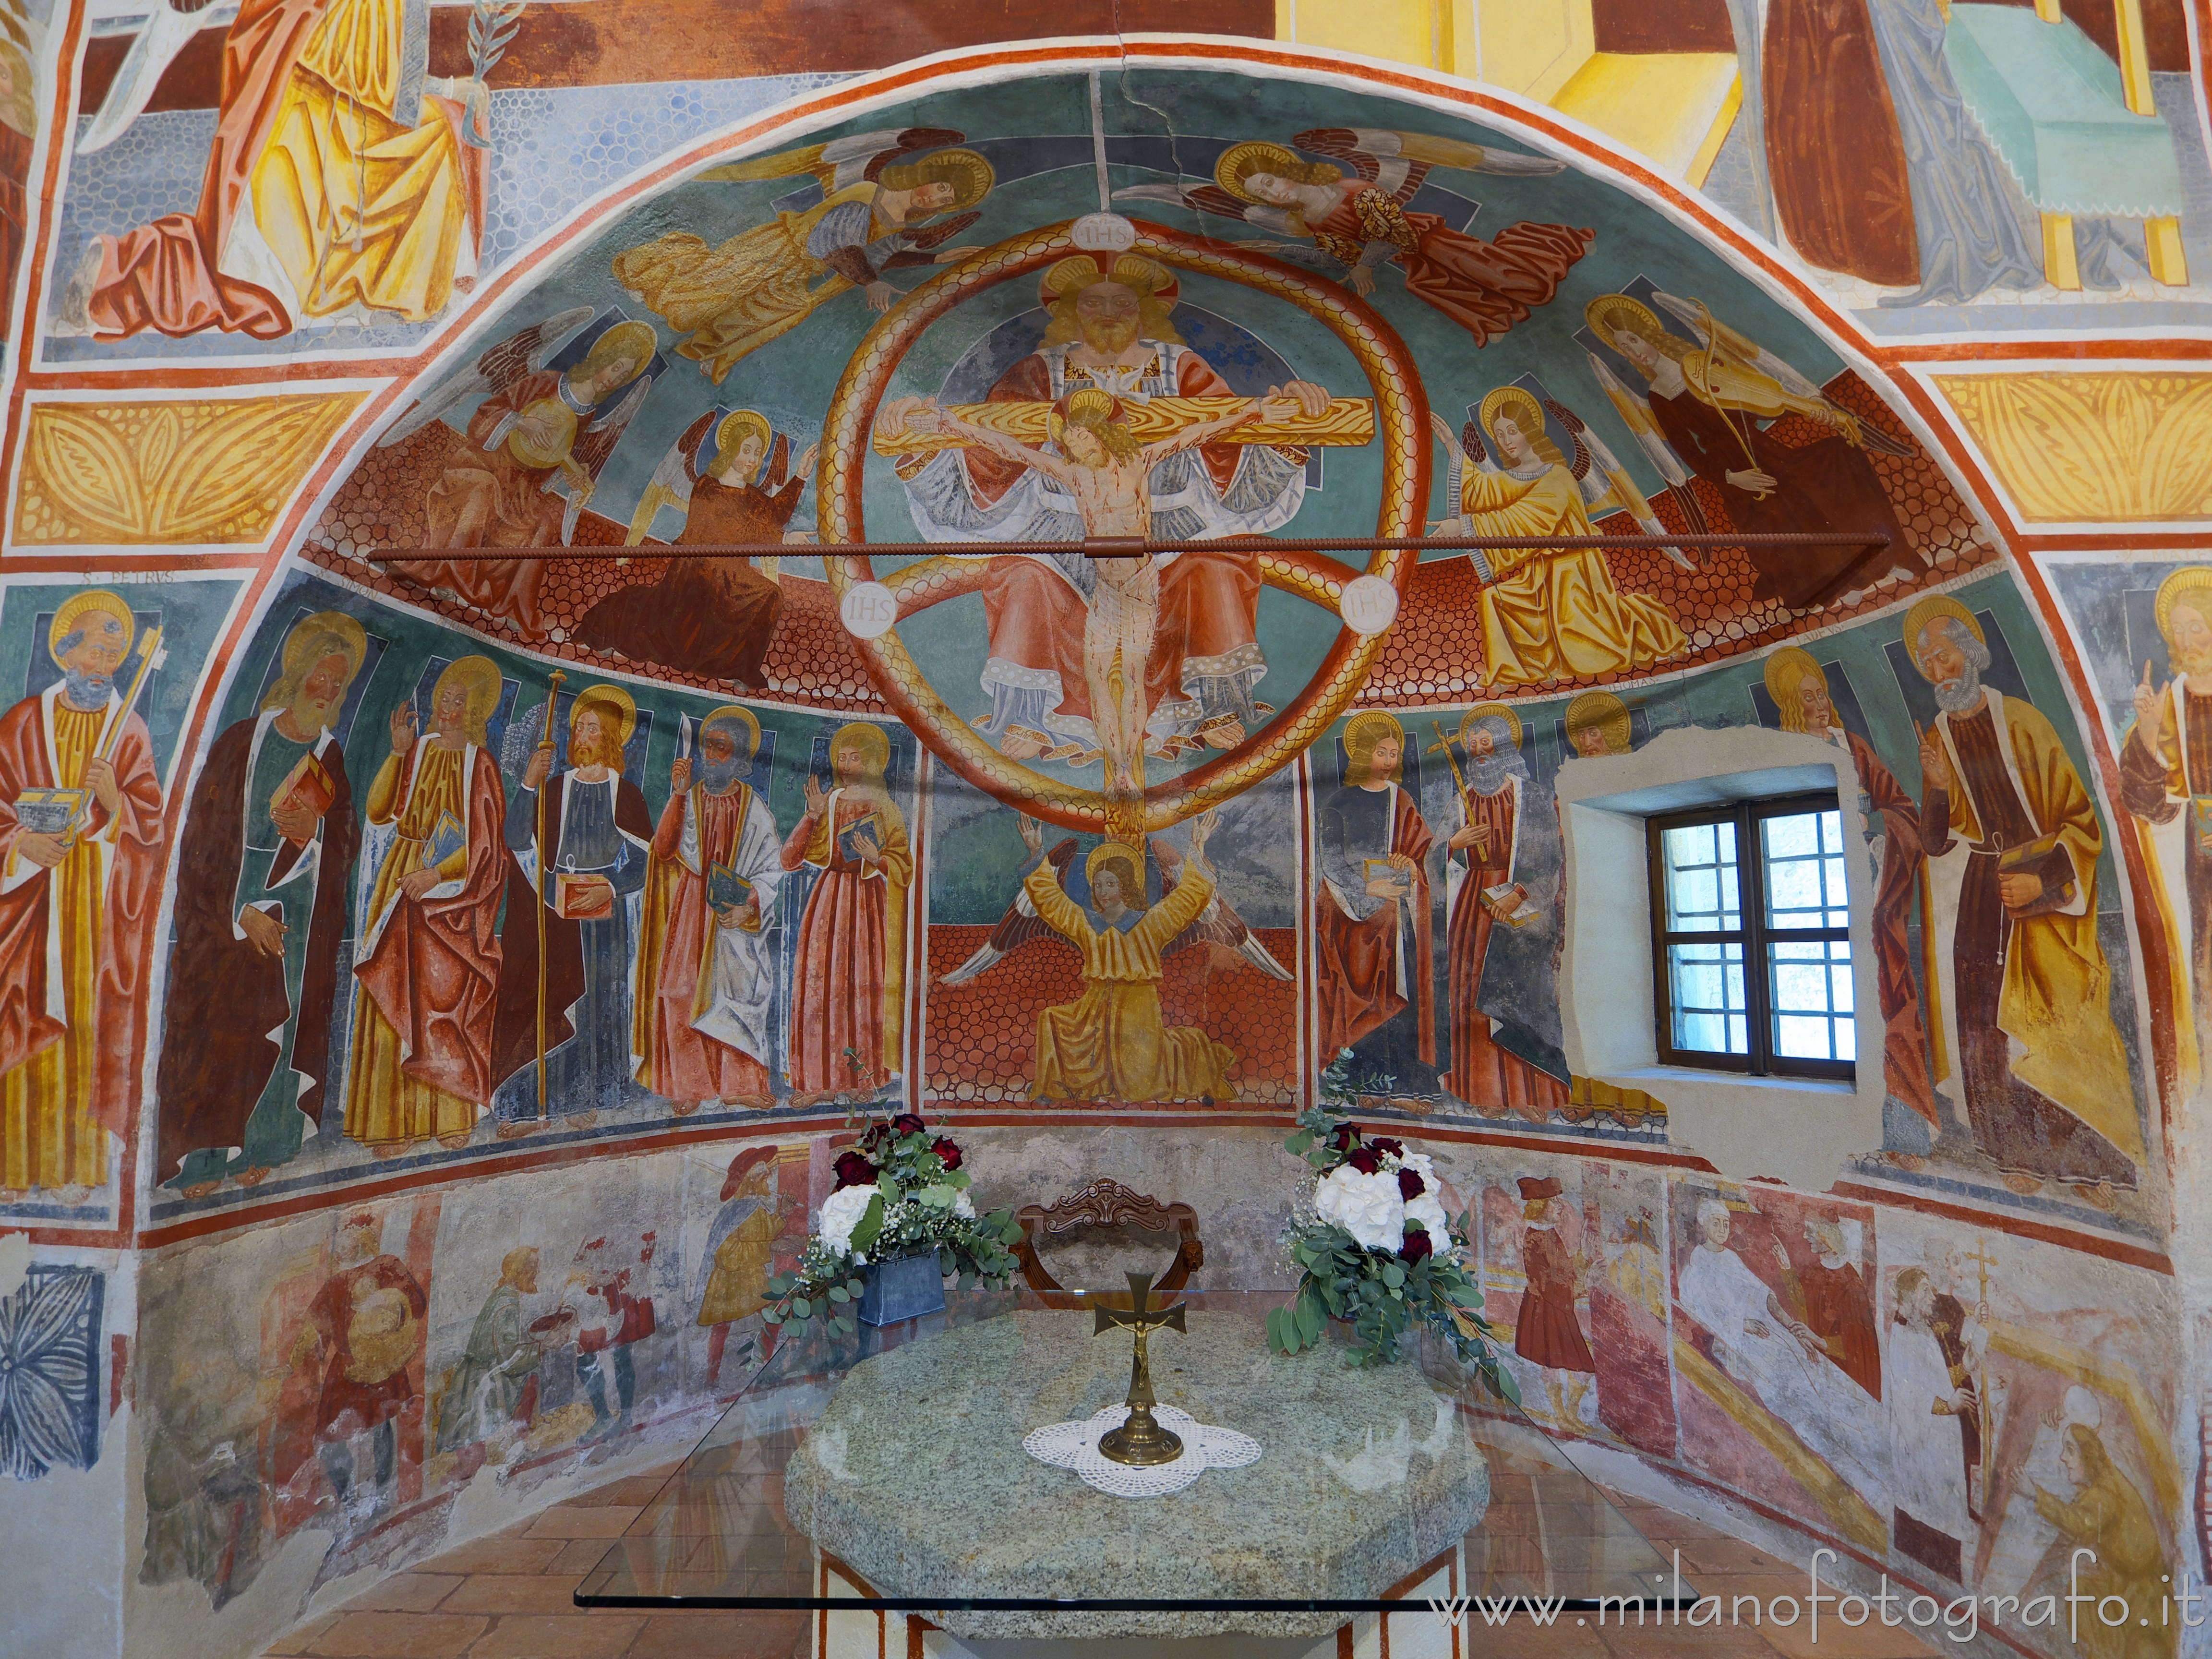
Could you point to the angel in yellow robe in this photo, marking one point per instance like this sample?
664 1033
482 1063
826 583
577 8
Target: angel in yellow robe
731 300
1113 1042
1547 613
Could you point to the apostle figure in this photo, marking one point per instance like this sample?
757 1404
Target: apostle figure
343 182
1114 1043
1598 724
2013 839
1758 1345
1372 919
365 1330
267 871
2107 1518
597 832
1709 401
742 1258
1548 614
1546 1332
1480 858
1927 1411
429 950
1838 1307
1800 691
2166 784
848 979
1110 331
76 904
489 1395
706 979
712 617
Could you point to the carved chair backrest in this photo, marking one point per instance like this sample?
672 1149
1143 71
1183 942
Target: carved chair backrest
1105 1203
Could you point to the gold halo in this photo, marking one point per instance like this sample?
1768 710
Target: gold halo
870 738
735 712
969 173
1116 851
1504 712
1356 738
1935 606
1608 313
634 340
94 598
1787 669
2190 578
481 677
730 434
1239 161
320 624
615 695
1507 400
1606 712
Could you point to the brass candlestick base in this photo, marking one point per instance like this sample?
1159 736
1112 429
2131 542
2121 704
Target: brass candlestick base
1141 1440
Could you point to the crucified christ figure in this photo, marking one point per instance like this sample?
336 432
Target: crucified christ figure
1108 471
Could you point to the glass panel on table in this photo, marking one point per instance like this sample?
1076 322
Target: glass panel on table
1809 989
1706 991
724 1533
1805 870
1704 889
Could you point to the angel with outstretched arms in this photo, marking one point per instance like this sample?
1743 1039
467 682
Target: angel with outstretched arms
875 216
1363 221
1108 471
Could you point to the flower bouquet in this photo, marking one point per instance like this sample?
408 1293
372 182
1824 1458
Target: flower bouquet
901 1194
1377 1250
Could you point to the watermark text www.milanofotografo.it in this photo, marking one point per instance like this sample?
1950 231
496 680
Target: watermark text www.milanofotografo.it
2073 1614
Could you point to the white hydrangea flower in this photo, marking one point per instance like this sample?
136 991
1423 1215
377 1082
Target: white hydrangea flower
1422 1165
1429 1210
840 1212
1365 1206
963 1206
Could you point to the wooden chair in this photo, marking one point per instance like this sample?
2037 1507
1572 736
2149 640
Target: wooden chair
1105 1203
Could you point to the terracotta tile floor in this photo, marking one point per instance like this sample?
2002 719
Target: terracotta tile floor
507 1597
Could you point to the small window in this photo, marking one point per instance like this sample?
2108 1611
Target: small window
1751 939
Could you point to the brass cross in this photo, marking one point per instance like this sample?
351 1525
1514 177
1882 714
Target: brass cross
1140 1439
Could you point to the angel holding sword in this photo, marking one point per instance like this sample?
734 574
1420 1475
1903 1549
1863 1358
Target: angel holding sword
1710 401
1108 471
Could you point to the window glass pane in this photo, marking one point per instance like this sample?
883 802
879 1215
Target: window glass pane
1809 990
1703 888
1706 990
1805 871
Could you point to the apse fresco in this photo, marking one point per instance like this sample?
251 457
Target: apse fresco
447 932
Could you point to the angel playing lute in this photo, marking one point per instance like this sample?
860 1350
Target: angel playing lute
1363 222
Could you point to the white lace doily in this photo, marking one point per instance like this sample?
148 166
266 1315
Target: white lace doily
1075 1446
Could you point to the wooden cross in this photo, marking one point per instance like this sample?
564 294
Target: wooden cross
1140 1439
1347 422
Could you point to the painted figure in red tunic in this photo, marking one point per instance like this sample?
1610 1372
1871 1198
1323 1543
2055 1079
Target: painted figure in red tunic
1374 976
848 979
1546 1332
1838 1308
367 1325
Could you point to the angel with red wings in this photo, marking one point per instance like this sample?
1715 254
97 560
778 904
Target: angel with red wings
730 300
1114 1042
1363 221
519 473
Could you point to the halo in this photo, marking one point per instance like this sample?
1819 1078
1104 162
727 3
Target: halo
325 622
871 738
1382 726
1080 271
730 432
1239 161
1609 311
481 676
1608 712
632 339
1928 610
1787 668
736 712
1509 400
2176 588
95 598
1114 852
971 176
615 695
1503 711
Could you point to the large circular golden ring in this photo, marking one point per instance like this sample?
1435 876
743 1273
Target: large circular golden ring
1401 418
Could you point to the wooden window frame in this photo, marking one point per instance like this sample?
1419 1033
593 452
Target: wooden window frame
1754 937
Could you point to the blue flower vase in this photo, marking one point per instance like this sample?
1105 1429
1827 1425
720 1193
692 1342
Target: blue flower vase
905 1289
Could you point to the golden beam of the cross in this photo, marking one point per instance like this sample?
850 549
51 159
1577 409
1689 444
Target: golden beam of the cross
1141 1440
1347 422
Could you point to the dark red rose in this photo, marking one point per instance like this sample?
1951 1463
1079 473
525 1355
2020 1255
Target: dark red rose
945 1150
1390 1148
854 1169
1417 1244
908 1123
1344 1139
1366 1159
1410 1184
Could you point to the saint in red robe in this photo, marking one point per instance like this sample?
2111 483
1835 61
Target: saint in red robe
848 981
1905 1037
1373 957
1838 1311
1482 1073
